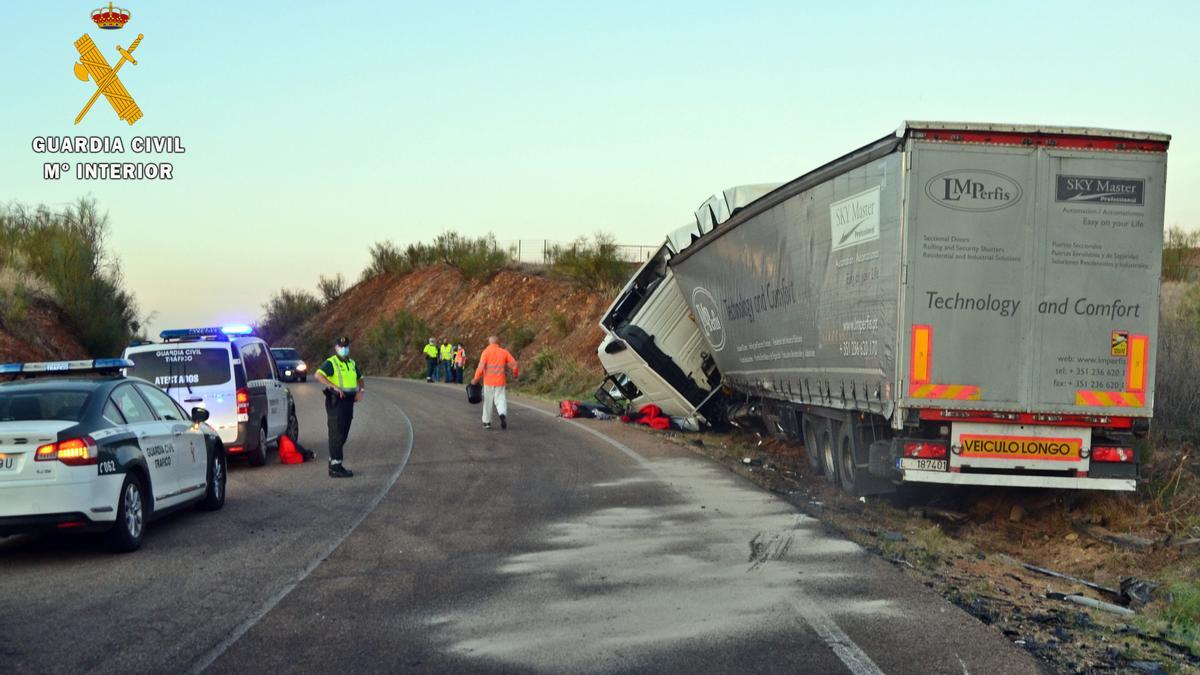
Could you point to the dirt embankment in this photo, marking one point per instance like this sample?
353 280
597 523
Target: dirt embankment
37 333
529 311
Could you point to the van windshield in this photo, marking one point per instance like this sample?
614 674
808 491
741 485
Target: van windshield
183 366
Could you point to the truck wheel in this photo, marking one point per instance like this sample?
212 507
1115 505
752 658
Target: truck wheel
258 456
828 446
811 451
848 470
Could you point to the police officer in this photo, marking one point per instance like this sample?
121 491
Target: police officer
431 360
446 356
343 388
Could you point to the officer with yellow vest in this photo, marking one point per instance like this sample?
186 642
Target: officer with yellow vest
343 388
431 360
447 358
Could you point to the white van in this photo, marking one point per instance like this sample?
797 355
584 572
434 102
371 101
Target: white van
229 372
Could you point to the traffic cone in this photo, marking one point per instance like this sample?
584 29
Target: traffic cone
287 451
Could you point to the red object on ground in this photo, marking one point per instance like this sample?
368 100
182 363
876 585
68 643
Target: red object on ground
287 451
650 415
568 409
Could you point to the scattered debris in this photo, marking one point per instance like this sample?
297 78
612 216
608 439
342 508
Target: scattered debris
892 536
934 513
1137 593
1091 602
1083 582
752 461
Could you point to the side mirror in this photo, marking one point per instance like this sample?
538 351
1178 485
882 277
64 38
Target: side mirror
199 415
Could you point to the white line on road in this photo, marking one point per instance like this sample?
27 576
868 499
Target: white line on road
221 647
854 658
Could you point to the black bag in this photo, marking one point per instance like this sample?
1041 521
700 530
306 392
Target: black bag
474 393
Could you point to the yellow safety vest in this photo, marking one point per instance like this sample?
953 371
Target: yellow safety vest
345 373
431 351
447 352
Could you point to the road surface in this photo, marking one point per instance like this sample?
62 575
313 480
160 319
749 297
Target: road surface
555 546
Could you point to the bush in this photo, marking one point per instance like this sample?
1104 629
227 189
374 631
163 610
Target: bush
286 312
517 336
331 288
560 323
594 265
552 373
390 340
1179 248
63 251
476 258
1177 389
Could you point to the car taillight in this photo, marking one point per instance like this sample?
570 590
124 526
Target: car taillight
73 452
243 401
1120 455
234 449
924 449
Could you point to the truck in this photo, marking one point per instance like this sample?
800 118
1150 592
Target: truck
953 303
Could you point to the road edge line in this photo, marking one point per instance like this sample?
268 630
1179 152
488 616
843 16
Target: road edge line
850 654
217 651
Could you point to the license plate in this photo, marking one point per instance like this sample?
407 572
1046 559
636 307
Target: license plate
8 463
921 464
1020 447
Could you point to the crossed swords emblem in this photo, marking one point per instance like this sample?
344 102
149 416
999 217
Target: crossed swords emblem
92 64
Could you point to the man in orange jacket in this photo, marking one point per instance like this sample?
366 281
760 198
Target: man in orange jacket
493 370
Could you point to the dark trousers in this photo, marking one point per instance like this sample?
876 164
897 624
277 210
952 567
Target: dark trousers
339 412
431 365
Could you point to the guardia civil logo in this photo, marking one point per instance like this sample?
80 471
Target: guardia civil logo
93 66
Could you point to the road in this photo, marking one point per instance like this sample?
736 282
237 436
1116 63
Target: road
557 545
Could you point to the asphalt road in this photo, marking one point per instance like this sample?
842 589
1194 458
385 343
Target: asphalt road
554 546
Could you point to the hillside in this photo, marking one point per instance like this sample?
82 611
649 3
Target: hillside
548 323
36 333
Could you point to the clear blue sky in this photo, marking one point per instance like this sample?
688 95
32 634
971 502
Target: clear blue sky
316 128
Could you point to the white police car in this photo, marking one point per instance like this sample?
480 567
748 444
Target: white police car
229 372
85 448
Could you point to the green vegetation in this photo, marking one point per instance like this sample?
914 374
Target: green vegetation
477 258
595 265
286 312
1179 248
59 258
1177 389
517 336
551 373
1182 614
390 340
331 288
560 323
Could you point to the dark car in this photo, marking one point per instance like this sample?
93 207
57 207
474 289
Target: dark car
291 366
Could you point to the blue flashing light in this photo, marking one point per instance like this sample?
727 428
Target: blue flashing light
56 367
11 368
207 332
237 329
113 363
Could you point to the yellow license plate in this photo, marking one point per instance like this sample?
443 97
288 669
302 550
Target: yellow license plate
1020 447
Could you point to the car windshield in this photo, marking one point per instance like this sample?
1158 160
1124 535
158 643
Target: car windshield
177 367
285 354
30 406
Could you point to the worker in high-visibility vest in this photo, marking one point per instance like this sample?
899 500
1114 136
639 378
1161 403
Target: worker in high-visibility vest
344 386
447 358
460 363
493 367
431 360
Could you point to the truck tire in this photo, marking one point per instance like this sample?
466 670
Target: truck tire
827 436
848 472
811 451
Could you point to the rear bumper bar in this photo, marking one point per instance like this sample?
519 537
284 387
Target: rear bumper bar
1017 480
10 525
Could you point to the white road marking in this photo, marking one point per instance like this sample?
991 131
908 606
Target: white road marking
854 658
211 656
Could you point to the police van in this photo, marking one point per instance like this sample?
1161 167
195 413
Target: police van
229 372
84 448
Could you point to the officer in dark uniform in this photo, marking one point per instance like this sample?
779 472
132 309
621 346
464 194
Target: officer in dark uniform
344 387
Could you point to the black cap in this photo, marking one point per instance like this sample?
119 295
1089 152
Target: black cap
343 342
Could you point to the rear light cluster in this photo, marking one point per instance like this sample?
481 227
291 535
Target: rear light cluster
1116 455
925 449
73 452
243 404
234 449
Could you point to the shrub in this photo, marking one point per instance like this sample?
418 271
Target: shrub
595 265
1177 389
331 288
476 258
560 323
286 312
386 258
1179 247
390 340
517 336
64 251
552 373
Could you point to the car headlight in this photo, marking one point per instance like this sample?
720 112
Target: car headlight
301 367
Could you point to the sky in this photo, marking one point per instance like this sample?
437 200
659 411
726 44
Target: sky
313 129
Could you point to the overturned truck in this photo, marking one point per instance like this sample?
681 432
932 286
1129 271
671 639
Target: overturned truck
967 304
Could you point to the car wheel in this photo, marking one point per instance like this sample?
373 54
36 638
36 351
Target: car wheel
811 450
126 534
848 471
214 495
304 378
293 427
258 456
829 463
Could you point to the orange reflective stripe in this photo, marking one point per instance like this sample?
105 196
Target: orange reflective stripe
922 345
1110 399
953 392
1135 369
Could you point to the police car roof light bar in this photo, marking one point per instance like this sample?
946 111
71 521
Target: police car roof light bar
211 332
59 367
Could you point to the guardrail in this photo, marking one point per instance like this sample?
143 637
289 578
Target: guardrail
538 251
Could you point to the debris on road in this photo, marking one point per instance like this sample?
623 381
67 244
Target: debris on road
1091 602
1082 582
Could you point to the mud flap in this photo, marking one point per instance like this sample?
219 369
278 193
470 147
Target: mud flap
883 461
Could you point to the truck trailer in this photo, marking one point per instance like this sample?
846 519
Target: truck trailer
954 303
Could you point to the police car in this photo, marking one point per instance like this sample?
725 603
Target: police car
84 447
230 372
